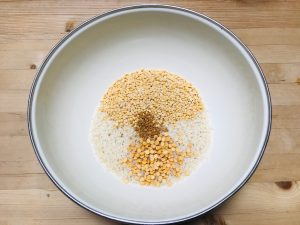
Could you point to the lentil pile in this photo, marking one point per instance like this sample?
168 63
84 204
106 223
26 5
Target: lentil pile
151 128
168 97
153 161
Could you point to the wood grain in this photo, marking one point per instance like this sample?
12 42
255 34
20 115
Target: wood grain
271 30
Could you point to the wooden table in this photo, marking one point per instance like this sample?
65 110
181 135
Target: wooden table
271 30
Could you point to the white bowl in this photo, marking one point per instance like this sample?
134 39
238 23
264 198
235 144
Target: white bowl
78 70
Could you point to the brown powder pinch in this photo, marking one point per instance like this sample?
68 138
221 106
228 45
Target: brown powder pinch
146 126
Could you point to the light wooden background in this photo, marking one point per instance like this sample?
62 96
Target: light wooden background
271 29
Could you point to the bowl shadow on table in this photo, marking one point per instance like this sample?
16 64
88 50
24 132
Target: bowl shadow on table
209 218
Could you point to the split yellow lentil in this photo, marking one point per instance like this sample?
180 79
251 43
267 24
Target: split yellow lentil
157 165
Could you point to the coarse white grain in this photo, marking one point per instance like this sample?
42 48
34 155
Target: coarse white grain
110 143
193 134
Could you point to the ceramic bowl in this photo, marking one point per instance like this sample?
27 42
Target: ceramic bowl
78 70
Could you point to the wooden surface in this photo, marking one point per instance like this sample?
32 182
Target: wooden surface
271 30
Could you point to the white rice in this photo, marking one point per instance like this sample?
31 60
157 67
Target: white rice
195 132
110 143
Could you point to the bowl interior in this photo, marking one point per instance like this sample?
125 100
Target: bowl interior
87 63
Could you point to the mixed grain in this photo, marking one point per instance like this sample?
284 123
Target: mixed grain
151 128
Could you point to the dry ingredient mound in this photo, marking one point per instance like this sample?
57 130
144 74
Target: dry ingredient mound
151 128
168 97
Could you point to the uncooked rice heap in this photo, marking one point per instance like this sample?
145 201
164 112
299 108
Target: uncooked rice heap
151 128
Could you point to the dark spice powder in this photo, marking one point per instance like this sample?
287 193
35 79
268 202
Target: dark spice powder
146 126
